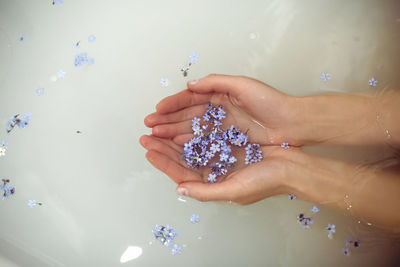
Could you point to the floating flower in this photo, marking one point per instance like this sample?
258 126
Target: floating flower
4 145
21 123
346 251
232 160
33 203
194 57
2 152
61 74
165 234
164 82
314 209
331 230
92 38
7 188
57 2
325 76
304 221
373 82
292 196
40 91
195 218
81 59
21 38
77 44
176 250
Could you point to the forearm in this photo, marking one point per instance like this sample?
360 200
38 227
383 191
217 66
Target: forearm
349 119
368 194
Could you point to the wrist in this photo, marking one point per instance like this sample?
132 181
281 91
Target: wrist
336 119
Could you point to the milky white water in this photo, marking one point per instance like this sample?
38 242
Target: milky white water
100 196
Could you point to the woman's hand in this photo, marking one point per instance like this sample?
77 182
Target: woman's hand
268 115
244 184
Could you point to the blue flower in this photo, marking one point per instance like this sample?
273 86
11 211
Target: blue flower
206 117
285 145
92 38
57 2
314 209
40 91
61 74
194 57
176 250
325 76
346 251
164 82
292 196
4 145
232 160
33 203
212 178
373 82
81 59
223 157
253 154
7 188
195 218
215 148
2 152
330 228
21 38
210 154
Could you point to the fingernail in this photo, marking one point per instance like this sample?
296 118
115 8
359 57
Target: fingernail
193 82
182 191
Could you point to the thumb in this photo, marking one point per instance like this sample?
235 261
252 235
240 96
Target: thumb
226 190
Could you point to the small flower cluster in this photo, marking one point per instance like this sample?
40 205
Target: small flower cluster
33 203
305 221
211 139
193 58
349 241
82 59
253 154
195 218
15 120
7 188
166 235
331 228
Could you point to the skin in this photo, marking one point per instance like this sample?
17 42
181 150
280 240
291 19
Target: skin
271 118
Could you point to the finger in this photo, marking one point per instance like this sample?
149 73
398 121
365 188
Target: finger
181 115
172 129
226 190
183 99
182 139
235 85
174 170
166 147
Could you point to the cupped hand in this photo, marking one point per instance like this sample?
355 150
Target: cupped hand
244 184
266 114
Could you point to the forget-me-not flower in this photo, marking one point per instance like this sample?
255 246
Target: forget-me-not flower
164 82
373 82
92 38
314 209
195 218
40 91
176 250
61 74
194 57
325 76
